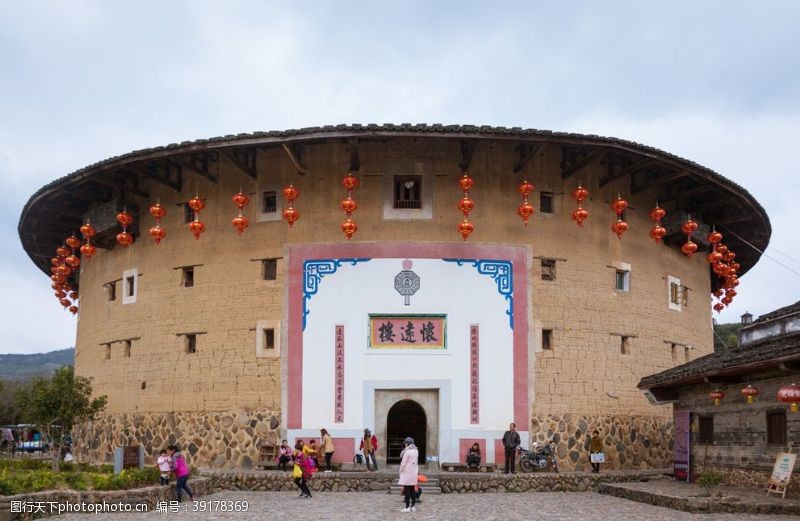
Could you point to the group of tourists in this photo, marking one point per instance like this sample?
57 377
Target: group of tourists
171 461
304 459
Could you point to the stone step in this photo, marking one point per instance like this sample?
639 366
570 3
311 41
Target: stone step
426 489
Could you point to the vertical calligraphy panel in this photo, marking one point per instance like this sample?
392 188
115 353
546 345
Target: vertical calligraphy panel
338 368
474 371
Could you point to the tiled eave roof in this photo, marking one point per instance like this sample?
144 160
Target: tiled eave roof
740 360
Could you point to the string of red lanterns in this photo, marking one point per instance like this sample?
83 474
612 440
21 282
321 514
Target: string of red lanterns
657 232
88 231
465 205
124 219
290 214
717 395
688 228
619 205
349 226
750 393
525 209
580 214
240 222
789 394
196 226
157 232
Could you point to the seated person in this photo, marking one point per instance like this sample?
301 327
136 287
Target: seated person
474 456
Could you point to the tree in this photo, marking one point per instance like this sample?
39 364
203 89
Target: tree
9 412
56 404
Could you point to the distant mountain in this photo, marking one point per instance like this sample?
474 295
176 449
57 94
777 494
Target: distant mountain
23 367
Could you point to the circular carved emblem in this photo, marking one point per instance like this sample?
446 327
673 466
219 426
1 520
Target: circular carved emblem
406 283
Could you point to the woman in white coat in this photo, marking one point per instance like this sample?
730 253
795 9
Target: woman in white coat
409 471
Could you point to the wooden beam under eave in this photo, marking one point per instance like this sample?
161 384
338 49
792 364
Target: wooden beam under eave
295 152
626 171
662 180
355 161
733 219
698 190
717 203
467 151
247 169
527 151
169 183
196 169
568 172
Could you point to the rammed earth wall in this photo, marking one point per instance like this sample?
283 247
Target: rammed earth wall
208 439
629 442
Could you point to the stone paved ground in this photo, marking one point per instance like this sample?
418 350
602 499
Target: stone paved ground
374 506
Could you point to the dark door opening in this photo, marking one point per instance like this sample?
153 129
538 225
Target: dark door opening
405 418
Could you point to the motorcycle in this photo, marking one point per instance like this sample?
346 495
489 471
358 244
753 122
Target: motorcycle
539 458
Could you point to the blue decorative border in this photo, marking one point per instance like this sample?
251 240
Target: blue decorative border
503 274
314 271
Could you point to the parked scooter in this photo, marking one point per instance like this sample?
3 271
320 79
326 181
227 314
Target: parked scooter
540 457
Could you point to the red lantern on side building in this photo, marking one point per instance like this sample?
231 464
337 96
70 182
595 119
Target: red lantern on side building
124 219
157 233
717 395
196 227
750 393
240 222
789 394
349 227
525 209
466 205
290 214
657 232
619 205
580 214
465 228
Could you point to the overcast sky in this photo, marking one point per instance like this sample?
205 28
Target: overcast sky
714 82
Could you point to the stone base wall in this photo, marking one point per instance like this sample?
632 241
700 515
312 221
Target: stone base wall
208 439
754 478
629 442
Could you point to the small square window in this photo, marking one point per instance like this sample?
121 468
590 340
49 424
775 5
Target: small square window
546 202
269 269
269 339
190 343
408 191
108 351
269 202
622 280
130 285
547 339
111 290
706 430
674 352
776 427
188 213
687 353
187 279
548 269
144 386
675 293
624 344
126 348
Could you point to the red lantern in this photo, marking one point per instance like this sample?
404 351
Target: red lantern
789 394
722 249
158 211
350 182
87 250
619 205
580 194
688 227
291 193
240 223
750 393
619 227
657 233
73 242
64 302
62 252
466 205
58 279
157 233
241 200
526 188
731 293
349 227
580 215
197 204
714 237
60 294
196 228
718 292
716 395
124 218
657 213
88 231
727 300
349 206
465 228
714 257
465 182
291 215
57 261
689 248
124 239
73 261
525 211
64 270
73 295
73 310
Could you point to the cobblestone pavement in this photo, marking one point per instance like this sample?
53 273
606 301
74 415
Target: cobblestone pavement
372 506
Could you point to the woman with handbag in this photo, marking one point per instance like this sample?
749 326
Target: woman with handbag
596 447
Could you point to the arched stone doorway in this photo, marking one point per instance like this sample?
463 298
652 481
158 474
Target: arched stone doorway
406 418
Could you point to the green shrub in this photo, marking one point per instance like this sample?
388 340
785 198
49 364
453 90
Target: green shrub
75 480
5 487
709 479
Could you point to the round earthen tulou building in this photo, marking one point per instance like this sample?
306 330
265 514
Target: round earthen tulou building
444 317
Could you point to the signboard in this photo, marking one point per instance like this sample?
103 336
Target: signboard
474 373
681 450
781 473
407 331
339 375
128 457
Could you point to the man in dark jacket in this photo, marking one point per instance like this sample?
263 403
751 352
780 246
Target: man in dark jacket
511 442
